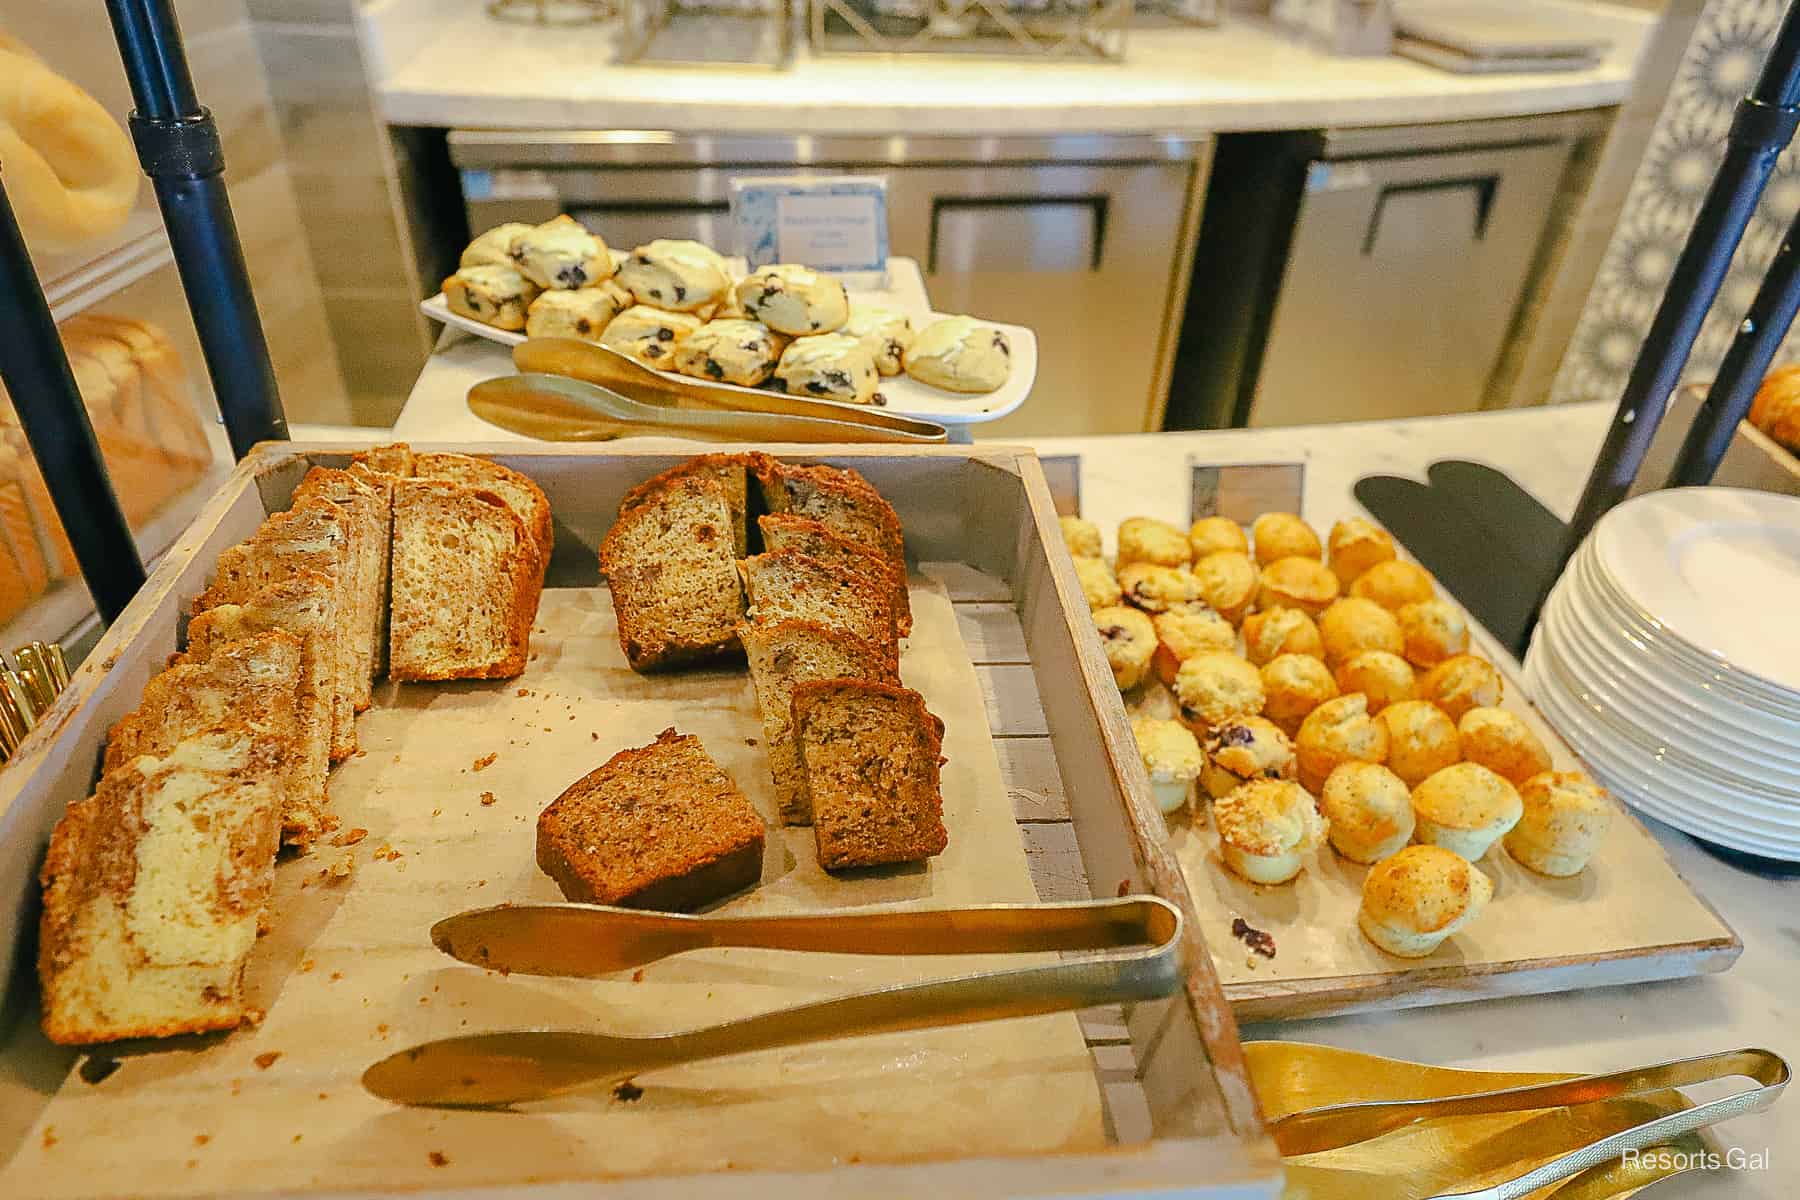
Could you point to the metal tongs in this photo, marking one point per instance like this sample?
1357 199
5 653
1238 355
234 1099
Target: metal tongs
583 940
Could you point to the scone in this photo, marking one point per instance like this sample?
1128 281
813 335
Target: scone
1566 816
1338 731
561 253
1187 630
795 300
1228 582
1097 582
1215 688
1384 678
1213 535
1156 588
1369 810
1432 630
1146 539
1776 409
1171 757
960 354
728 351
1354 546
1353 625
1280 631
496 295
678 275
1082 537
1466 808
885 333
1394 585
1245 749
830 367
1278 535
494 248
1129 641
1297 582
1460 683
1415 900
1422 740
583 313
649 335
1266 829
1501 741
1294 685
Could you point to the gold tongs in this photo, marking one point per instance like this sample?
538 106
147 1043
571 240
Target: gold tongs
516 1066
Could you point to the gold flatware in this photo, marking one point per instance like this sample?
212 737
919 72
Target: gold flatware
27 689
513 1067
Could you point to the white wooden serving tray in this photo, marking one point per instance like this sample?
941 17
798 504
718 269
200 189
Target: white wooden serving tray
1179 1113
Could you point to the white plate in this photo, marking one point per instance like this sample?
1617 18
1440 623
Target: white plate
1720 567
904 394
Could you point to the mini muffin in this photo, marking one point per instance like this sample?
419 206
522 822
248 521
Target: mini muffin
1228 582
1458 684
1081 536
1566 816
1384 678
1297 582
1173 759
1369 810
1465 808
1245 749
1266 828
1145 539
1422 740
1503 743
1185 631
1433 631
1217 687
1354 625
1294 685
1338 731
1279 535
1276 631
1157 589
1213 535
1129 641
1415 900
1097 582
1394 584
1356 545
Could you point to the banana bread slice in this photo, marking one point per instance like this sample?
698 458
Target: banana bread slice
731 470
869 757
521 494
372 525
394 459
674 579
786 584
785 531
842 500
660 827
785 654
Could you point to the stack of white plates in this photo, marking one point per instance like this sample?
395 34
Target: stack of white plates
1668 656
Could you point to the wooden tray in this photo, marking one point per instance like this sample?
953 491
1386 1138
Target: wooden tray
1178 1105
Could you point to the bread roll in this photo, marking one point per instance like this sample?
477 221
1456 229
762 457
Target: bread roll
1145 539
1566 816
1369 810
1465 808
1355 546
1266 828
1280 535
1211 535
1415 900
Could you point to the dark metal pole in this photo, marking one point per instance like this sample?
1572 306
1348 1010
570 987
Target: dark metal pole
178 143
37 375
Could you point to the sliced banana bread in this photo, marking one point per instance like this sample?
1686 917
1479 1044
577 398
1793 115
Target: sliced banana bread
660 827
395 459
785 531
786 584
521 494
731 470
841 500
372 518
869 757
674 579
785 654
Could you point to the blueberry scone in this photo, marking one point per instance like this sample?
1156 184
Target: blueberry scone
885 332
794 300
832 366
728 351
494 248
676 275
649 334
583 313
495 295
960 354
561 253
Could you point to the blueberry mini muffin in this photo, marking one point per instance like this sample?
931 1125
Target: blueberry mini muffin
1422 740
1384 678
1503 743
1283 535
1414 901
729 351
1353 625
1146 539
678 275
649 335
1294 685
1356 545
1432 631
1466 808
1460 683
1369 809
1228 582
1338 731
1156 588
960 354
1097 582
583 313
494 248
794 300
1394 585
1082 537
1245 749
1172 758
1297 582
828 367
1566 816
561 253
1212 535
1215 688
494 295
1266 829
1129 641
885 333
1187 630
1276 631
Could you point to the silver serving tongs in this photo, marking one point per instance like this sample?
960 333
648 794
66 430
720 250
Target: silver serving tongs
1331 1126
513 1067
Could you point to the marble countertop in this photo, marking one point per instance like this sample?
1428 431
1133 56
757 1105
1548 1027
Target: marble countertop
445 62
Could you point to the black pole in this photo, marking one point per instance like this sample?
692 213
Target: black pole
37 375
178 144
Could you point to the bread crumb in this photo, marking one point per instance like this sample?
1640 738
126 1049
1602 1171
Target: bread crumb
307 964
267 1058
296 1139
252 1018
594 736
336 975
350 837
200 1139
382 1029
49 1136
237 1085
192 1163
437 1159
342 868
637 976
749 741
324 1095
481 883
488 797
486 761
360 754
386 853
524 691
437 812
628 1092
